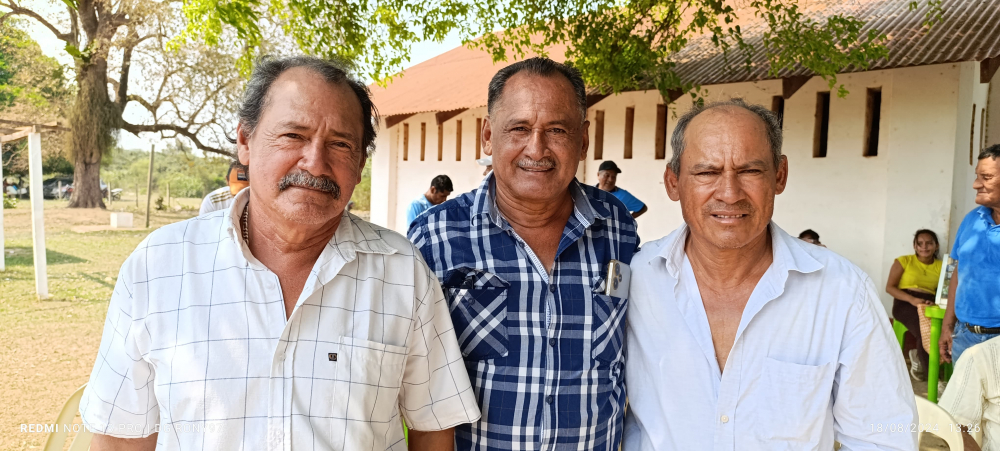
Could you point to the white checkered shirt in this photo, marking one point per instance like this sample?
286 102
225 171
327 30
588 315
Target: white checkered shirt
196 345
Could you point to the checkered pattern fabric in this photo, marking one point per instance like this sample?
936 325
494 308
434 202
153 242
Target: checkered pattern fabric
545 352
196 345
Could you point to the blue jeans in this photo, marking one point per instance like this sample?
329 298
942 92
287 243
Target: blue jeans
964 339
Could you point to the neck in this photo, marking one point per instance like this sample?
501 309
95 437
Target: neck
728 268
534 214
926 260
608 188
280 243
427 196
996 215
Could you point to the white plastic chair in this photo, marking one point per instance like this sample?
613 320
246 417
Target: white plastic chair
57 439
947 428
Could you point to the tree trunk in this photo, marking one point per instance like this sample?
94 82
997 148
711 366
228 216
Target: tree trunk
93 120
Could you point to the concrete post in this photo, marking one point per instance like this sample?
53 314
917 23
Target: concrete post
149 182
37 217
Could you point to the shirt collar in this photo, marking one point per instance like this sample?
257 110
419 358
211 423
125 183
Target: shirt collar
484 203
789 252
987 214
353 234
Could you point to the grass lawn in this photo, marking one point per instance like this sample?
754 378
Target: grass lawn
47 348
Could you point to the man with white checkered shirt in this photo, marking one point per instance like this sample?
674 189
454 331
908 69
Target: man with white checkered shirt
283 322
524 262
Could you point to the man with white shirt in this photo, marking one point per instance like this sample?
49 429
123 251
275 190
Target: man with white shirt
283 322
741 337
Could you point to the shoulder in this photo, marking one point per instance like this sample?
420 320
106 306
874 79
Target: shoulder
835 268
189 238
905 260
972 217
395 240
650 251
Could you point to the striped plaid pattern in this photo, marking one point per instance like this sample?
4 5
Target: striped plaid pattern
545 353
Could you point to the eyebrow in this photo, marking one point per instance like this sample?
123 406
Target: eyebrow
754 164
515 122
296 126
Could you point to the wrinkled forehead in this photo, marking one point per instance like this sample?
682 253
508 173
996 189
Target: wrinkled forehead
532 95
726 133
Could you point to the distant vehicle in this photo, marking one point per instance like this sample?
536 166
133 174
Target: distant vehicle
50 187
68 190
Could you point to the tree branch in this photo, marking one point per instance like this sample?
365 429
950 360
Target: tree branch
130 42
139 128
16 9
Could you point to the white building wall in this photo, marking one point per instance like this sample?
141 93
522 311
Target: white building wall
865 208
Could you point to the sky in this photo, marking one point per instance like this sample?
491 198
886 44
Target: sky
53 47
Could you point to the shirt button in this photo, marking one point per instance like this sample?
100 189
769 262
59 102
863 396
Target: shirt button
552 342
725 419
552 288
550 399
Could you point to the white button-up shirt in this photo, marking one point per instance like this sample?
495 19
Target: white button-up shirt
196 345
814 359
973 396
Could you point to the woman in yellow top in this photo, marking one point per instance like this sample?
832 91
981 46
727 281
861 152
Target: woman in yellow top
913 281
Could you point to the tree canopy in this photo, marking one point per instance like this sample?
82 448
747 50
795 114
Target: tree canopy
618 45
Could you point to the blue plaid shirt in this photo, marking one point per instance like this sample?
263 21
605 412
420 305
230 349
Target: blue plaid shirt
545 353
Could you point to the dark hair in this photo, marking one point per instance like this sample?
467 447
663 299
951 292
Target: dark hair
538 66
932 235
235 164
809 233
267 69
442 183
772 124
992 152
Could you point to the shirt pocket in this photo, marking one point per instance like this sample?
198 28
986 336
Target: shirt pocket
795 402
478 303
361 382
608 336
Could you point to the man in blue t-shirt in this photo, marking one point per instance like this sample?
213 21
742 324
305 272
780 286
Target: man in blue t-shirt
439 191
607 175
973 313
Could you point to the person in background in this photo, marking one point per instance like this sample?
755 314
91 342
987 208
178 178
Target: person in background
810 236
237 178
973 398
973 312
439 191
913 281
487 163
741 336
607 177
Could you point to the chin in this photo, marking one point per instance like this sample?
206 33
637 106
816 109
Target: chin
310 214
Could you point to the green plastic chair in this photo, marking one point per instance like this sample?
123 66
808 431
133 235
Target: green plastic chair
57 439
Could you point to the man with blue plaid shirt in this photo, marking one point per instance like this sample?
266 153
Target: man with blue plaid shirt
523 262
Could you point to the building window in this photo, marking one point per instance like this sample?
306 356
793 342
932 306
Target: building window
661 132
629 125
873 116
440 142
778 108
406 142
479 137
598 134
821 133
423 140
972 134
458 140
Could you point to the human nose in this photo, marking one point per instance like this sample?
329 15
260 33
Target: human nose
536 144
728 188
314 159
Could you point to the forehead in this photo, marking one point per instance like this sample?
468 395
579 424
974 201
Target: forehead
304 96
727 133
526 93
988 165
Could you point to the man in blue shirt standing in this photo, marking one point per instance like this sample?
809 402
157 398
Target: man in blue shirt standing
973 314
524 263
607 176
439 191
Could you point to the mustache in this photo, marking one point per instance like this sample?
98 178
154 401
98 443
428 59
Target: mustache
307 180
544 163
740 207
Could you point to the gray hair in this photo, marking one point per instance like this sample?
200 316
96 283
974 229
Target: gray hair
538 66
267 69
771 123
991 152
